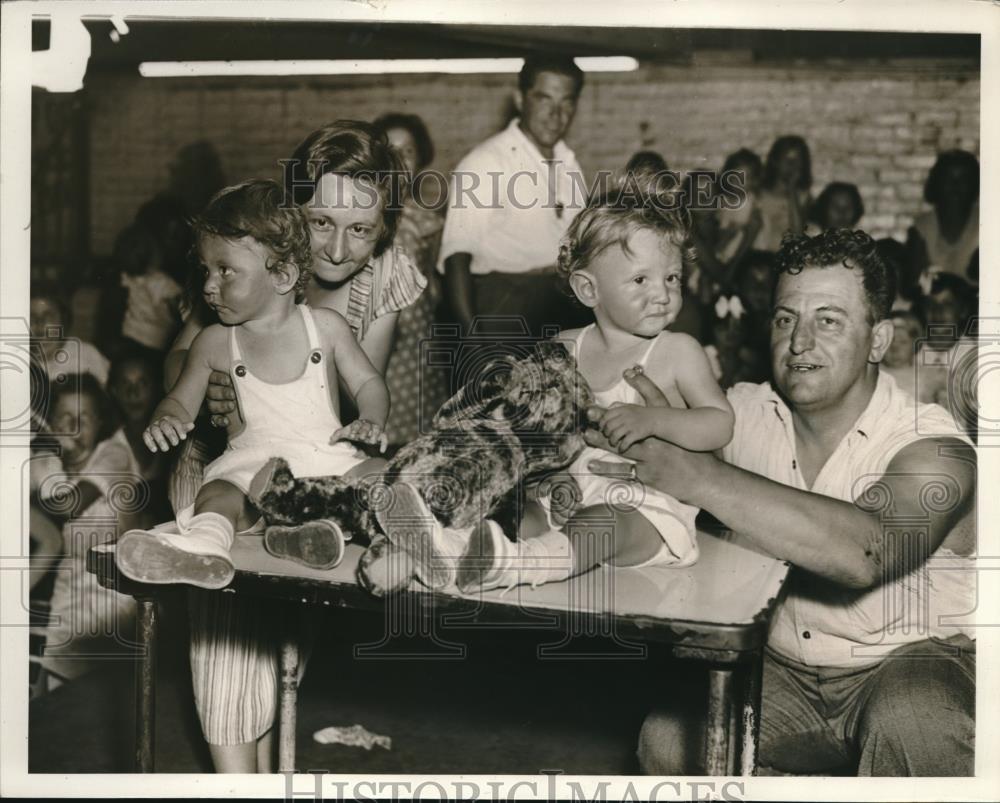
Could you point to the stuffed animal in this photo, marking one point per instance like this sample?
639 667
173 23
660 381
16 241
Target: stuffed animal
516 421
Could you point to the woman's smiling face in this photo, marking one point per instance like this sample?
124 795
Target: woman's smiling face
345 218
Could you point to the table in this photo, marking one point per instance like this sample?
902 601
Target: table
717 611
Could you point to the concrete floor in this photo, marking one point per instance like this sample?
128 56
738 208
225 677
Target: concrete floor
498 710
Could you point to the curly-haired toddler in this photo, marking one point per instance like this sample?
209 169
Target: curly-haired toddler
285 360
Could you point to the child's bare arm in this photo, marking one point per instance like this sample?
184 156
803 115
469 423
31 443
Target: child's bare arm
174 417
706 424
365 384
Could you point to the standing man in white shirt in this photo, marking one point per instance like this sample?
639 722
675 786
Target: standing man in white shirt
511 200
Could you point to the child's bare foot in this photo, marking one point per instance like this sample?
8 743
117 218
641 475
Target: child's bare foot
318 544
162 558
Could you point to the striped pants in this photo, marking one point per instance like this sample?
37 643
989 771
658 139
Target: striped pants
235 640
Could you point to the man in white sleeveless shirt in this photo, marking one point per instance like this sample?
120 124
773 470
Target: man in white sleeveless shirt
869 666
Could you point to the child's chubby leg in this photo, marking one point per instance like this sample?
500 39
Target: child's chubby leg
318 544
603 534
199 554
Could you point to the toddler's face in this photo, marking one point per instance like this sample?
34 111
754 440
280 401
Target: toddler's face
77 422
638 291
237 283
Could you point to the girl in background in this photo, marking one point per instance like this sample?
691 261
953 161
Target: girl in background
784 197
838 206
946 239
64 357
97 494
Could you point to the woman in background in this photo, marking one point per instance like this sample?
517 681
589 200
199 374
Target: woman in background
416 388
784 197
946 239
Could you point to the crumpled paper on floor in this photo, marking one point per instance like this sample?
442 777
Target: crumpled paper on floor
353 736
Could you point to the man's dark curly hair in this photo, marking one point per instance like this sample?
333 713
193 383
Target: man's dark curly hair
257 209
855 250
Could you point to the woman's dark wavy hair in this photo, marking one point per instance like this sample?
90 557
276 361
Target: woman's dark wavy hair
778 149
946 160
416 128
855 250
257 209
87 385
635 201
819 208
359 151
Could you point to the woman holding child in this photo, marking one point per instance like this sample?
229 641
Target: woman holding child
346 178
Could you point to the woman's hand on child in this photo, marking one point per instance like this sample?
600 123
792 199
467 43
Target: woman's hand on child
362 431
220 398
166 432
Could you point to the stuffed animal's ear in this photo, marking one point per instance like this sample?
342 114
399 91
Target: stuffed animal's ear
478 398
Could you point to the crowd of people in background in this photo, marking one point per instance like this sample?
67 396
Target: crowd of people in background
472 264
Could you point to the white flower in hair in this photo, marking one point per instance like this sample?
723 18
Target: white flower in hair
729 305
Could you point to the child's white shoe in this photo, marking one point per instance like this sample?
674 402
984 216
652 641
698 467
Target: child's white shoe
494 561
199 556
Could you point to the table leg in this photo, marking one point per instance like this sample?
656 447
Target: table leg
750 724
145 684
289 694
720 707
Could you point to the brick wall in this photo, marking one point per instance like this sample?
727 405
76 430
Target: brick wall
878 125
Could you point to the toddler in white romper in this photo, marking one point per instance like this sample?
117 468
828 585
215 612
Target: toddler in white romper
252 246
673 520
624 257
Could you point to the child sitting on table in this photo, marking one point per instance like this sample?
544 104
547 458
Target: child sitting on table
623 258
286 360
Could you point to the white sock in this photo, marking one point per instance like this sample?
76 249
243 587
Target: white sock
212 527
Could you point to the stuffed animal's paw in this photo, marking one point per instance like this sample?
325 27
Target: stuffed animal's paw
384 567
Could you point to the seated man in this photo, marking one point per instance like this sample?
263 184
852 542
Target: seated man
865 492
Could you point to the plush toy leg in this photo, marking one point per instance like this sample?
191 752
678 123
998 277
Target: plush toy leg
284 499
434 550
384 568
318 544
494 561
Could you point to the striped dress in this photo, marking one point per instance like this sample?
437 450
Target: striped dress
235 640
